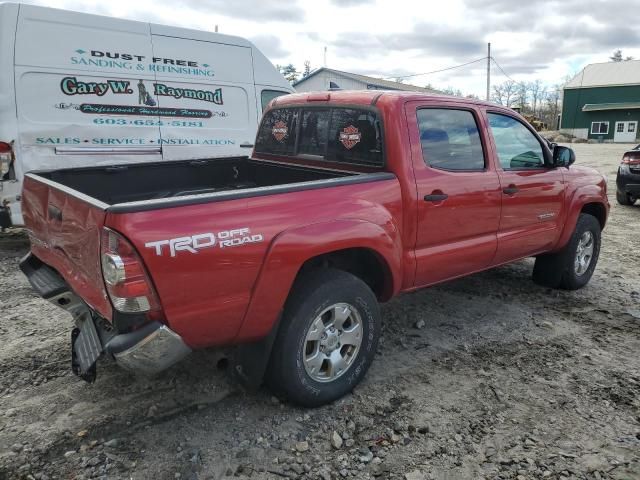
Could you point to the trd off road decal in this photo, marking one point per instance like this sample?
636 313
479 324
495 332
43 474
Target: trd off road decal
280 130
193 243
350 136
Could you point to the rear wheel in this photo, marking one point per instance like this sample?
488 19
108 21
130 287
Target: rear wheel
573 266
327 338
625 198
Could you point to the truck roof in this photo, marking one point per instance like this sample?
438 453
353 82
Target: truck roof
370 97
161 29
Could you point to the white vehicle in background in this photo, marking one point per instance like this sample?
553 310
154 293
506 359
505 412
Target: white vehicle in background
84 90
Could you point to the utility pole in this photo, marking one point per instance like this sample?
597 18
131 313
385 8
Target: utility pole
488 70
325 56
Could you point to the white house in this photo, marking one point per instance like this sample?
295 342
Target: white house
330 79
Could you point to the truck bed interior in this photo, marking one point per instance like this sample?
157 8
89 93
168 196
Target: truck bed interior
145 181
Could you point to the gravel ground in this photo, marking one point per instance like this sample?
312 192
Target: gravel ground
489 377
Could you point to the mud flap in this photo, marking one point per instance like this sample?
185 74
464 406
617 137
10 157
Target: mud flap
548 270
86 348
5 218
249 362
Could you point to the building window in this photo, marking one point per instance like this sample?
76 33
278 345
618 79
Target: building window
600 128
620 127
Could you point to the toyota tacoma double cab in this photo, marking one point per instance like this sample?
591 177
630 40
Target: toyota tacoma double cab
348 199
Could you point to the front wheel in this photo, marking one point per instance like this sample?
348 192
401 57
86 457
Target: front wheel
573 266
327 338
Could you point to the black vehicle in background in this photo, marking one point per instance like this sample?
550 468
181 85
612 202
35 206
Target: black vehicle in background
628 179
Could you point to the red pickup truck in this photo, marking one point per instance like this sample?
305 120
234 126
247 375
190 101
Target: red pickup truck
349 199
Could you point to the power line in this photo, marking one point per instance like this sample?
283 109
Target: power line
515 81
435 71
505 73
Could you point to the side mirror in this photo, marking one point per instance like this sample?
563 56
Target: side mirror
563 156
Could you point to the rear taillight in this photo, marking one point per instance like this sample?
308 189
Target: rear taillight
6 155
125 277
631 159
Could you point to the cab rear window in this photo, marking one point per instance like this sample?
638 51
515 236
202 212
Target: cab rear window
340 135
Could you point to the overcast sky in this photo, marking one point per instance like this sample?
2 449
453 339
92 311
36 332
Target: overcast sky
531 39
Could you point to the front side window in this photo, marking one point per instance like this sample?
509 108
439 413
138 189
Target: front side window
333 134
600 128
516 146
450 139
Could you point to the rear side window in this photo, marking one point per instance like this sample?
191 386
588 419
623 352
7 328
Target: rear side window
450 139
277 133
354 137
340 135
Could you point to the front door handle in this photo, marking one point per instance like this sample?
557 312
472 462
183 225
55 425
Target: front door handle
510 190
436 197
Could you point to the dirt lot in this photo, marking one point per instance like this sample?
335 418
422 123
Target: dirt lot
504 380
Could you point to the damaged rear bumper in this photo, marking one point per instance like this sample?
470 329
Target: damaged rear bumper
147 350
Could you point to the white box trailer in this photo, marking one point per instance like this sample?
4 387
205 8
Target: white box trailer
84 90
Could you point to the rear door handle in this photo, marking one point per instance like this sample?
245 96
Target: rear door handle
510 190
436 197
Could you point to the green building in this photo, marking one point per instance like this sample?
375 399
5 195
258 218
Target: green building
602 102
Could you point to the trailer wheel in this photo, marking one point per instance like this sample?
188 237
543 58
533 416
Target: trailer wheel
327 338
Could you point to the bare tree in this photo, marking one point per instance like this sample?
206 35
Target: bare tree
307 68
551 108
536 91
504 94
451 91
521 99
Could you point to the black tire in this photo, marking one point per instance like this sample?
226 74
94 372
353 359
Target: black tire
624 198
557 270
312 294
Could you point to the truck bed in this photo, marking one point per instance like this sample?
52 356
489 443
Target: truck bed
120 184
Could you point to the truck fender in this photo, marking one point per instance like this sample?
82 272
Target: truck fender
292 248
580 197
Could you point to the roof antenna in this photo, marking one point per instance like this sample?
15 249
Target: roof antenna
216 30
